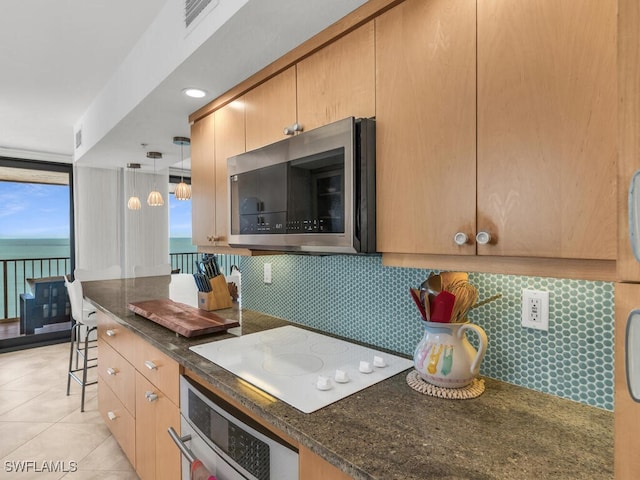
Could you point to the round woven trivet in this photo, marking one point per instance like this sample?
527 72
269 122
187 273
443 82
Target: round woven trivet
473 390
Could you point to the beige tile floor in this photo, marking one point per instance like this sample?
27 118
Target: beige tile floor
41 425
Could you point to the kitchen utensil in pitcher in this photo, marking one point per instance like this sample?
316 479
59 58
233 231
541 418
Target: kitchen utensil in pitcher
415 294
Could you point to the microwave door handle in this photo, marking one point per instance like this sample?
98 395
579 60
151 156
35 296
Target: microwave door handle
634 214
179 441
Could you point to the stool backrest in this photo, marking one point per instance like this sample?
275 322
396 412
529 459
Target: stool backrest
74 292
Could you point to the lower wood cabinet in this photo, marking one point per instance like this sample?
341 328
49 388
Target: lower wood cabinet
118 419
314 467
156 455
138 398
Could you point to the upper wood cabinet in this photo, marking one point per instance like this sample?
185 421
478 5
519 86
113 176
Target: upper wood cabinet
203 181
338 81
547 128
213 139
269 108
229 141
628 268
425 126
541 182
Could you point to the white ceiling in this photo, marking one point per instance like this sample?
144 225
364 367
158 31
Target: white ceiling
68 64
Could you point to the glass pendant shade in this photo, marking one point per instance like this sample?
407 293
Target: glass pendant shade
183 191
155 199
134 203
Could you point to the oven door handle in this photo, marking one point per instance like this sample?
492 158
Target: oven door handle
179 441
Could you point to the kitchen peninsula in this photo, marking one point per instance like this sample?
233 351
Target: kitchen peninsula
389 431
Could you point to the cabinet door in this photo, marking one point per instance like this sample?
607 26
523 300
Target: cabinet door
628 127
338 81
425 111
229 141
269 108
547 128
203 213
627 410
157 457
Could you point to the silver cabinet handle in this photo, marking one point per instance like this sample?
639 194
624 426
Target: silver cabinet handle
150 396
111 371
110 333
292 129
179 441
460 238
483 238
112 416
150 365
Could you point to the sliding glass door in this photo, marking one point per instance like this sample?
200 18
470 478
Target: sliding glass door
36 250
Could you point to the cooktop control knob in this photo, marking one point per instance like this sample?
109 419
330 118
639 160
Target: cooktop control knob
365 367
379 362
341 376
323 383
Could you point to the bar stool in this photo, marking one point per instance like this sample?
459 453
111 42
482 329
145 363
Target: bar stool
84 316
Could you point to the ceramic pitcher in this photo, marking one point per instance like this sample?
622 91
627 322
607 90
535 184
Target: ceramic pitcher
445 358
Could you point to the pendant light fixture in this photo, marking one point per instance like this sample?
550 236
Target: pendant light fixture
155 198
134 201
183 191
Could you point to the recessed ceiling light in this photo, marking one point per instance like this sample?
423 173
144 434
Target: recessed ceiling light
194 92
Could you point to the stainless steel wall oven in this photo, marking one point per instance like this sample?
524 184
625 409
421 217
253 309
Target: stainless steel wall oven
231 445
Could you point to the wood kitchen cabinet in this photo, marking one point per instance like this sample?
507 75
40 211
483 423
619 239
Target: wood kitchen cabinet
628 268
156 455
425 126
627 410
138 398
229 141
541 181
214 138
203 181
338 81
547 128
269 108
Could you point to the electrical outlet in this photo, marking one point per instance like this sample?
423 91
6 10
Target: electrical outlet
267 273
535 309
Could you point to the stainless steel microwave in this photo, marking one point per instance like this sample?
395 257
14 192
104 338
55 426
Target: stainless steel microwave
313 192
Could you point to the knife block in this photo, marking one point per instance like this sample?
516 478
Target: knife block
219 296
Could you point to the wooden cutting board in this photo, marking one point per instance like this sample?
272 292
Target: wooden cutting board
181 318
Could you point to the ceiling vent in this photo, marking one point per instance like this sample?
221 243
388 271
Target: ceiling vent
194 8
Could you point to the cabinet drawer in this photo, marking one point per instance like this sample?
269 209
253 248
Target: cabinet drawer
118 374
118 420
116 335
158 368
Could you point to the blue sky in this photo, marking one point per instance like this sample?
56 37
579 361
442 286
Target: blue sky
29 210
179 218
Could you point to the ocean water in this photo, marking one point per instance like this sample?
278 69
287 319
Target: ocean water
23 248
12 249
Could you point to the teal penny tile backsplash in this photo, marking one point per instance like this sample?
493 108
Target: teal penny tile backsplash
356 297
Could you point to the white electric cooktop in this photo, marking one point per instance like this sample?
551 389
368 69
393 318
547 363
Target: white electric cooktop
305 369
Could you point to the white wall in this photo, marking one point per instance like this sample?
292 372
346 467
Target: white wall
107 233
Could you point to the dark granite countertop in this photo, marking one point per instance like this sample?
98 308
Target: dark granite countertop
389 431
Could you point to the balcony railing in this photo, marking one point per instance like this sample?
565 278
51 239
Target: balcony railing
15 272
